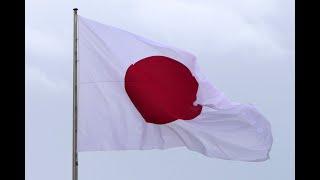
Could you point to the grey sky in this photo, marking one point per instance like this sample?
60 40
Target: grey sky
245 47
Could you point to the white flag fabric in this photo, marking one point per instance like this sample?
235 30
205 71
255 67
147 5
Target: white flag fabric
137 94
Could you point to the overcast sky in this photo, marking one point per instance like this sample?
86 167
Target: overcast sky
245 47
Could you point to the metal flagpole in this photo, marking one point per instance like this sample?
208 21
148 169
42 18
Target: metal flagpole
75 96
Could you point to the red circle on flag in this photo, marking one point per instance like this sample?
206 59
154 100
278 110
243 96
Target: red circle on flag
162 89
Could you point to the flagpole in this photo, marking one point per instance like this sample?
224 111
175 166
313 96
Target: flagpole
75 96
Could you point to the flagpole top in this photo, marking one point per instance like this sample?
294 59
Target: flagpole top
75 9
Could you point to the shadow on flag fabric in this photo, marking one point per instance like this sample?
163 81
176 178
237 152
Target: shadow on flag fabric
137 94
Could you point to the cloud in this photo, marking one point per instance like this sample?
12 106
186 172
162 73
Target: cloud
46 44
246 30
37 80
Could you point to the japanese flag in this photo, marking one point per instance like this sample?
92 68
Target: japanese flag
137 94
